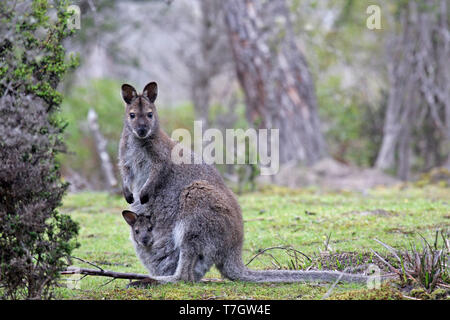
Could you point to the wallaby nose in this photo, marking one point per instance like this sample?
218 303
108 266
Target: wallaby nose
145 240
141 132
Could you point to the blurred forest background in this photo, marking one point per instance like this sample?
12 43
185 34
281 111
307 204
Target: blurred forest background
356 106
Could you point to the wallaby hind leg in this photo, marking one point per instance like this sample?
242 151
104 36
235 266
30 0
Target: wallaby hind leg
185 268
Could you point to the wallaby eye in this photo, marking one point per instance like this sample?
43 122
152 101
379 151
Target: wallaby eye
150 115
137 231
149 229
132 115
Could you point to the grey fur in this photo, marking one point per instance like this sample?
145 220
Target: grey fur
196 219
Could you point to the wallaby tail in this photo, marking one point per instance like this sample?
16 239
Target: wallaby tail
234 269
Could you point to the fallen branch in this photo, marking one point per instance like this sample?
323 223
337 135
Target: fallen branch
117 275
88 262
105 273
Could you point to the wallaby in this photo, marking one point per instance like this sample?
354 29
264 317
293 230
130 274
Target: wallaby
183 217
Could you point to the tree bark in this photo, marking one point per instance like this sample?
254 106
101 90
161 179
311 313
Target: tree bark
273 73
443 55
101 143
211 59
419 97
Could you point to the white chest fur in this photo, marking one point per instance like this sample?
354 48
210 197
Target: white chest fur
140 165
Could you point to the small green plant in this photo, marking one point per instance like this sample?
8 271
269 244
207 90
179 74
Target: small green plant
426 267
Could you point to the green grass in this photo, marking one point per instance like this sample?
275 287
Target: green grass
274 216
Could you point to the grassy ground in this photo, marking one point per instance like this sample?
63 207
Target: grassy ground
304 219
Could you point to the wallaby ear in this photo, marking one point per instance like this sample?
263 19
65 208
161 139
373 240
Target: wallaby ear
128 93
129 216
151 91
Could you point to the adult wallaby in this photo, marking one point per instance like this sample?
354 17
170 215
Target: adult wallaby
193 218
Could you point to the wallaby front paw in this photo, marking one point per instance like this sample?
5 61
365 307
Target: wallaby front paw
129 198
128 195
142 283
144 197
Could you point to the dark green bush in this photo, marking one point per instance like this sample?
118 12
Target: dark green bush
34 236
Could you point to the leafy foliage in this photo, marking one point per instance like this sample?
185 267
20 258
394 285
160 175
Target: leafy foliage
34 236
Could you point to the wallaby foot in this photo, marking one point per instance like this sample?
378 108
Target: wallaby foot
145 283
146 193
144 197
128 195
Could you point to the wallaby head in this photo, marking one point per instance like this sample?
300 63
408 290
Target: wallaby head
141 228
141 117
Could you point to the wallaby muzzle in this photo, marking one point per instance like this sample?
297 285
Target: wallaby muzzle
141 132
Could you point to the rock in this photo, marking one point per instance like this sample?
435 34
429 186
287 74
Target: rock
330 167
331 175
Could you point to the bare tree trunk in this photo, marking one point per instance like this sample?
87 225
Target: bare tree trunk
213 56
419 76
404 155
118 275
101 143
274 75
443 55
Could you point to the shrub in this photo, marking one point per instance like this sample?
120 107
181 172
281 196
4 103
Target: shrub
34 236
